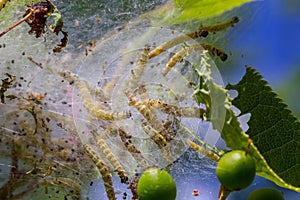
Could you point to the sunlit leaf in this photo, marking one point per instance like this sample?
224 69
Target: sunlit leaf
272 127
200 9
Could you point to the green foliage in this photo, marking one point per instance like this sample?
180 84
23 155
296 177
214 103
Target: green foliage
218 104
200 9
272 127
57 18
233 135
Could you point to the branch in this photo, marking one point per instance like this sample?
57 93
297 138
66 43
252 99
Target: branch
16 24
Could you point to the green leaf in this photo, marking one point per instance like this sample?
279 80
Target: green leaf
272 127
224 120
200 9
219 106
57 25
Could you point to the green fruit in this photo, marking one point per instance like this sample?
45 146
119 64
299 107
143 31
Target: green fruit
266 194
236 170
156 184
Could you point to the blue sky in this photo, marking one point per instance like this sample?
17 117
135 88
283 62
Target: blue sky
268 37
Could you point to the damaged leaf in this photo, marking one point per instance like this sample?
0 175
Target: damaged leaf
36 17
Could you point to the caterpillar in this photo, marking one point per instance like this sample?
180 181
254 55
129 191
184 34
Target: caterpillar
136 72
215 51
142 60
190 112
88 103
3 3
99 93
201 32
104 171
178 40
187 50
147 111
141 107
220 27
179 56
112 159
138 69
158 138
136 153
203 151
126 139
155 135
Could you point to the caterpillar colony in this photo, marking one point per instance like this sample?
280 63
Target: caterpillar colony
139 113
157 108
160 110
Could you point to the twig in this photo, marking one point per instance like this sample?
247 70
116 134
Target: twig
16 24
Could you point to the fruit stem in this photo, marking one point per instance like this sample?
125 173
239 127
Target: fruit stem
223 193
250 143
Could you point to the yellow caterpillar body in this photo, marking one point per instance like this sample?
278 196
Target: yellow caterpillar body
3 3
104 171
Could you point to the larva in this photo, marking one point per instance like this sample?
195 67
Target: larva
201 32
112 159
126 139
138 69
159 140
155 135
179 56
99 93
215 51
136 153
203 151
167 45
192 48
141 107
190 112
142 60
147 111
88 103
104 170
136 73
220 27
178 40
